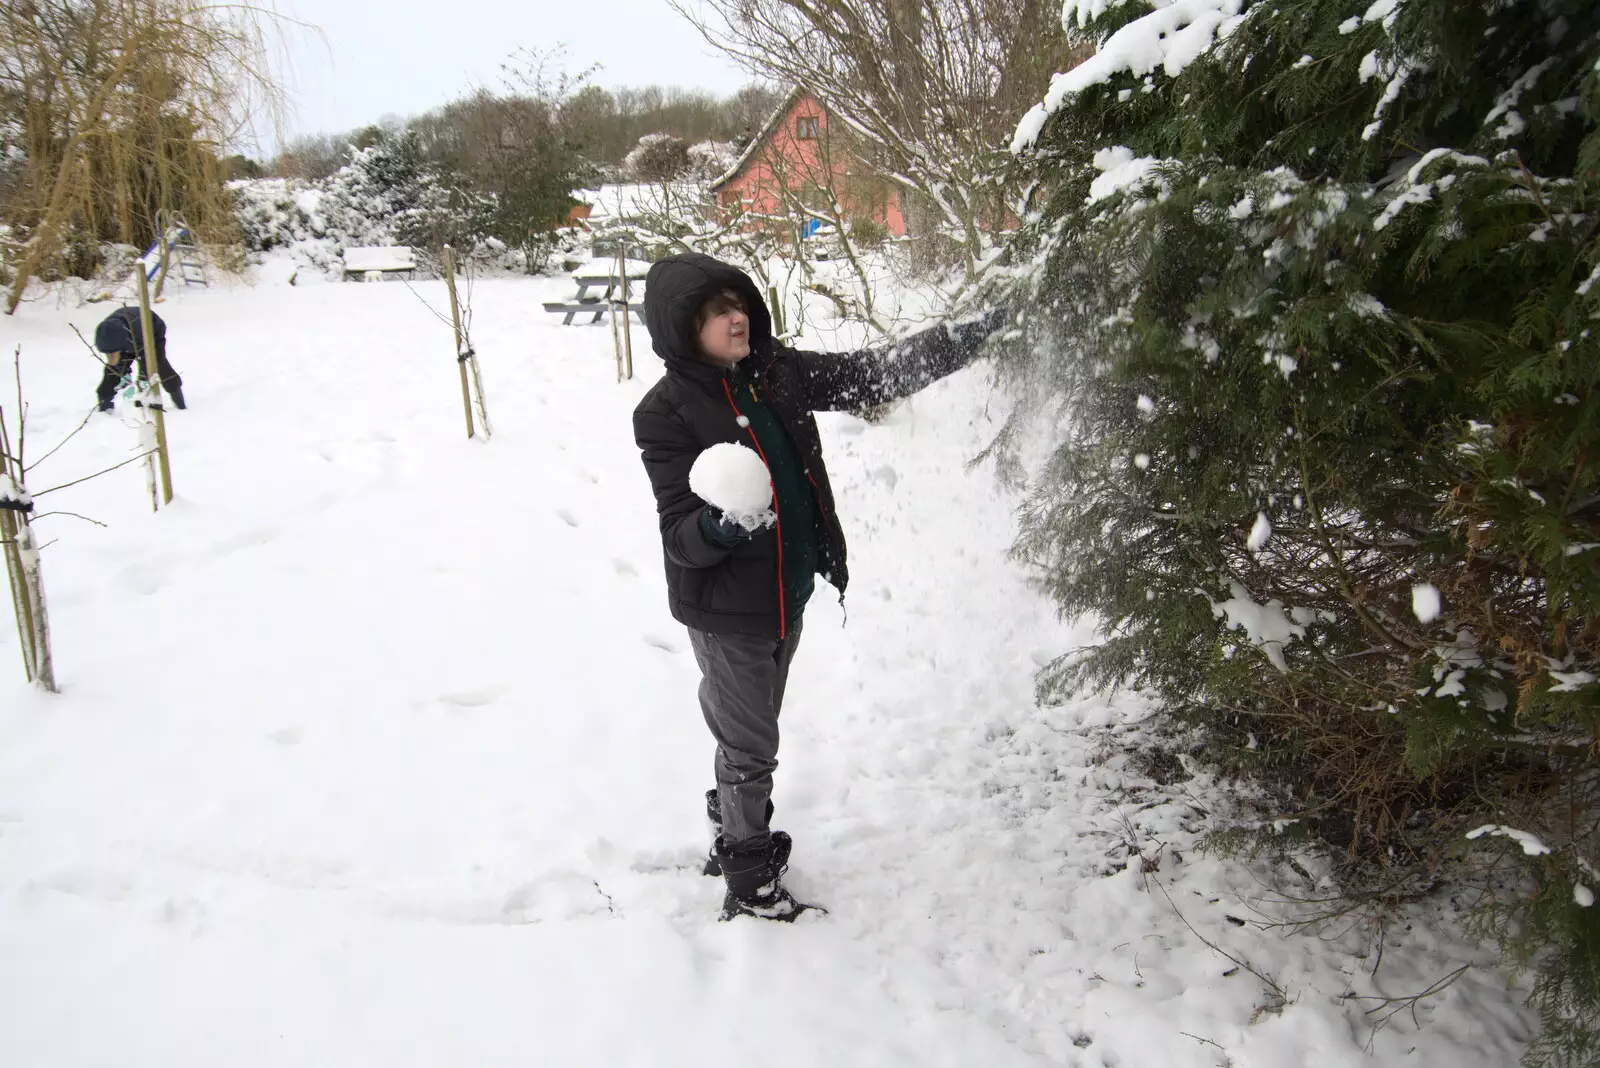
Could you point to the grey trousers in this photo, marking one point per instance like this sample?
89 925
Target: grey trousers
741 692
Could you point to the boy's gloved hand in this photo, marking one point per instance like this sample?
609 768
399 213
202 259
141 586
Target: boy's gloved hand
721 529
973 334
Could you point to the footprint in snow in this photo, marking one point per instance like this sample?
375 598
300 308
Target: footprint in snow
244 540
559 895
670 861
658 642
289 736
182 911
623 567
567 517
551 897
146 577
486 695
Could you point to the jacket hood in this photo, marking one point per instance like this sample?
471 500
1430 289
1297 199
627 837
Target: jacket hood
121 331
674 290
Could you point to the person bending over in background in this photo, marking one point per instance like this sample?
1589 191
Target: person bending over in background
121 341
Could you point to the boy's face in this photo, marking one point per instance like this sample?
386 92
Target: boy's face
724 334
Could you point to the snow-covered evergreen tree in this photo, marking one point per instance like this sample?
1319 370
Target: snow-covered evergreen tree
386 194
1318 281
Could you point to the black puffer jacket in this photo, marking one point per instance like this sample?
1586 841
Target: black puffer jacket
737 590
121 332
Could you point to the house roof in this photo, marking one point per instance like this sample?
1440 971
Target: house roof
628 200
760 138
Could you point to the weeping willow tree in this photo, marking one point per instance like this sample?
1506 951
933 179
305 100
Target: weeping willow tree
117 113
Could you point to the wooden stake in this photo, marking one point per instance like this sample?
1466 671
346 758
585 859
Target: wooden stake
616 338
10 543
155 399
455 321
22 571
19 593
777 311
627 313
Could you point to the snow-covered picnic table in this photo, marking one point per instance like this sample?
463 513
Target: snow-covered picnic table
384 259
594 276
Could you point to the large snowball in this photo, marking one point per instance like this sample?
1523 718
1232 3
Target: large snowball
733 478
1425 602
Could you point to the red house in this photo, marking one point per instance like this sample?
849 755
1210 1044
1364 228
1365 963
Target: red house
793 162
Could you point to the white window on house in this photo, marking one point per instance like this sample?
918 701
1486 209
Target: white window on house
809 129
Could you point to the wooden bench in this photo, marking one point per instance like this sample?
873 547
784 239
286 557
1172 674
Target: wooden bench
367 260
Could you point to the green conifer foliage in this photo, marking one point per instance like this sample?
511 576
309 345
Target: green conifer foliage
1317 284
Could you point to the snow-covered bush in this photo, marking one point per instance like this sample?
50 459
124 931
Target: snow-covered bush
710 160
384 195
658 157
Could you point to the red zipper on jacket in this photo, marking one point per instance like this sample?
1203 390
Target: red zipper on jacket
783 612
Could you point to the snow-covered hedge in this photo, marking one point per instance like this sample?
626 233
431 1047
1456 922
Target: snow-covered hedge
385 195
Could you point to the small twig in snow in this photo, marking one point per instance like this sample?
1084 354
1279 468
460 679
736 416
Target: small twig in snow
1407 1003
94 353
431 310
22 410
1272 984
63 441
97 474
74 515
1206 1041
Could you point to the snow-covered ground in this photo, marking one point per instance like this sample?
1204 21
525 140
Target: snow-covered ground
379 747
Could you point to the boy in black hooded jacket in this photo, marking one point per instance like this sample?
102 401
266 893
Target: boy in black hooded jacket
120 339
740 593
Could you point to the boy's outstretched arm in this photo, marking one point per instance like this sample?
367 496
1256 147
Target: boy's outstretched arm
851 381
669 452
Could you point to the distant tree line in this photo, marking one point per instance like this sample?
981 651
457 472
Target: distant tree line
599 126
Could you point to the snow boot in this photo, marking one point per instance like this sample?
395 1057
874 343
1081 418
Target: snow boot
781 841
755 884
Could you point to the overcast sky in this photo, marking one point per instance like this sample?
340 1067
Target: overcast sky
404 57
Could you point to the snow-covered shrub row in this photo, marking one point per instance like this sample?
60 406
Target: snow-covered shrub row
385 195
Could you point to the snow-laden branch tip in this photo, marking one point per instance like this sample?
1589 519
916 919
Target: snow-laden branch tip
1265 625
1572 681
1530 843
1171 37
1120 169
1259 533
